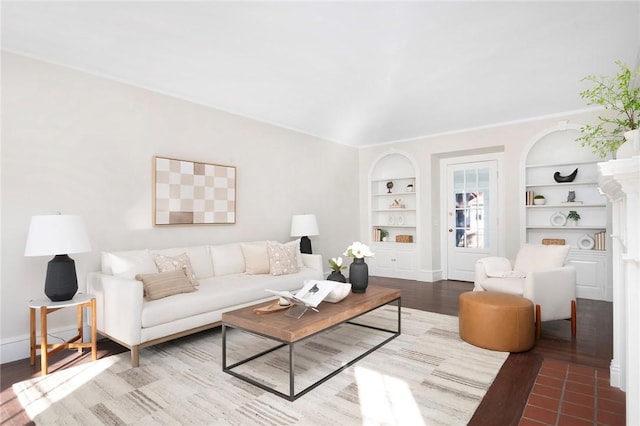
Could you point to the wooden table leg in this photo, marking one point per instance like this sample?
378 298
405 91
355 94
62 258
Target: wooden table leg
32 336
80 315
44 365
94 331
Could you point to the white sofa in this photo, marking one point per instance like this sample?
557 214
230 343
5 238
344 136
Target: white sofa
228 277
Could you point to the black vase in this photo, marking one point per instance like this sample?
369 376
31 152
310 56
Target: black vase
337 276
358 276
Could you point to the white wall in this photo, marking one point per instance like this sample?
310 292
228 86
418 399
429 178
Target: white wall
511 139
77 143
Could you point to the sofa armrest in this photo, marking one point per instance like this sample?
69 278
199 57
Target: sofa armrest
313 261
119 304
553 290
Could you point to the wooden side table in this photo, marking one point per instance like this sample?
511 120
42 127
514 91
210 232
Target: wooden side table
80 301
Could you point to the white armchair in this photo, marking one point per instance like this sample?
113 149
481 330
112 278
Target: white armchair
538 274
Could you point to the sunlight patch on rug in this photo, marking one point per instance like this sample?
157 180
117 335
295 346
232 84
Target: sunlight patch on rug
427 375
386 400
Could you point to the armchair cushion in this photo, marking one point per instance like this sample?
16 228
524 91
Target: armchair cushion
496 266
538 257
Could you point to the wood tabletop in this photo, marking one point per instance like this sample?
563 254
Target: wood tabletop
279 326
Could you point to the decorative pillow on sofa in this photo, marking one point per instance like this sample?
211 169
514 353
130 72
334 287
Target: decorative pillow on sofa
127 264
163 284
282 258
175 263
256 258
227 259
296 246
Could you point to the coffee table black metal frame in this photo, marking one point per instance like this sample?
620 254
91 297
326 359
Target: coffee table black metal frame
292 396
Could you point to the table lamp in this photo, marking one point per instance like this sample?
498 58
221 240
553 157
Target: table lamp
58 235
303 225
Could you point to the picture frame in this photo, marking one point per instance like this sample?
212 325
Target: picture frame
193 193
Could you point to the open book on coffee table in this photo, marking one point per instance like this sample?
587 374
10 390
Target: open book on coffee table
309 296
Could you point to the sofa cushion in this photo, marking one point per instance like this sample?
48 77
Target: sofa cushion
539 257
282 258
256 258
164 284
127 264
175 263
222 292
227 259
198 256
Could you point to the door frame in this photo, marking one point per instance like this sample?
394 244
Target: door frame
444 164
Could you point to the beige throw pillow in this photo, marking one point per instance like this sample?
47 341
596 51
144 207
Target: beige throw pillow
282 258
175 263
256 258
163 284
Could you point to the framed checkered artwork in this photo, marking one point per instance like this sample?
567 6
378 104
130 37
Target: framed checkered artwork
187 192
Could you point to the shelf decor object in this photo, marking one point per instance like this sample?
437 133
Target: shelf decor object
189 192
304 226
586 242
564 179
58 235
558 219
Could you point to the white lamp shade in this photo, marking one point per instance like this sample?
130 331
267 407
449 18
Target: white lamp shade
304 225
56 234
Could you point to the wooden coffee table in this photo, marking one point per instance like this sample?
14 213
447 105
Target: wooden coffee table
289 331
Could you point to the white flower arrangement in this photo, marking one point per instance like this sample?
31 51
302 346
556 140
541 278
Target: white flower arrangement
358 250
336 264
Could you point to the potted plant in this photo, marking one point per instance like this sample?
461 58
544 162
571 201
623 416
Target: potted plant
358 270
539 200
384 235
574 217
617 95
337 267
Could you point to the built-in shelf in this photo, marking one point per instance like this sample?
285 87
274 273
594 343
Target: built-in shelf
393 181
557 150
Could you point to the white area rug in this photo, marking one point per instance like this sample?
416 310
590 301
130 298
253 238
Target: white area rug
428 375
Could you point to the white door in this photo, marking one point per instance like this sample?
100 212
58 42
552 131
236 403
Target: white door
472 216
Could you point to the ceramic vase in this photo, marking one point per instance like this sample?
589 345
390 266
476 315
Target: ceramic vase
359 276
336 276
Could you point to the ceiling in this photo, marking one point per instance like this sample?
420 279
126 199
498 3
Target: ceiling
357 73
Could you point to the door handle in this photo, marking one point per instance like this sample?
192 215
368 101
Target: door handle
450 230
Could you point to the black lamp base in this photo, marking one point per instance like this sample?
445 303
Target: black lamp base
305 245
62 282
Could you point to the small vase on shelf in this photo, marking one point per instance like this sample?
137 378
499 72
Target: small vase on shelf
359 275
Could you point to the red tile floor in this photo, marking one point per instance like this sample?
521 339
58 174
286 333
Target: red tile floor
571 394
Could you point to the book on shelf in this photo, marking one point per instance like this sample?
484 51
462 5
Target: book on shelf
600 240
528 198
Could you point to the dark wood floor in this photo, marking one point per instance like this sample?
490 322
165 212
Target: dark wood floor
505 400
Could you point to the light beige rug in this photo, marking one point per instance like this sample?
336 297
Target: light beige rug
425 376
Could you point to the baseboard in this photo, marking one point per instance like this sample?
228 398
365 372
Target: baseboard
615 376
17 347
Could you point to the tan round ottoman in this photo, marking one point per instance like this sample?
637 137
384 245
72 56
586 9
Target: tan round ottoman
497 321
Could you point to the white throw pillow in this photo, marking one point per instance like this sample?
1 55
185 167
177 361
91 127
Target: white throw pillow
129 264
256 258
227 259
282 258
296 246
539 257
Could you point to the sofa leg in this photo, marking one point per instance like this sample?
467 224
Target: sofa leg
573 318
538 323
135 356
